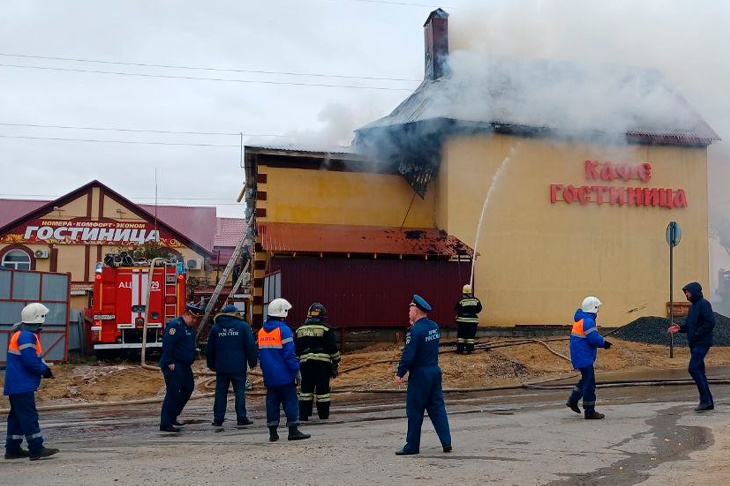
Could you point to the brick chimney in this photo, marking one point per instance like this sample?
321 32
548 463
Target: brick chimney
436 36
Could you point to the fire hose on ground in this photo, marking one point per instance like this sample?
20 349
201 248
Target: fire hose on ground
532 385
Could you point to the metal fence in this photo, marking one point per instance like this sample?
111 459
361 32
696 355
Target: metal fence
21 287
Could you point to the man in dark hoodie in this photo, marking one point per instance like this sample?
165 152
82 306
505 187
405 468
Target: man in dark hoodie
698 326
231 346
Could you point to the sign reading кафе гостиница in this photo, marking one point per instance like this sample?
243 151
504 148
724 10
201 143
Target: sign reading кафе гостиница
608 172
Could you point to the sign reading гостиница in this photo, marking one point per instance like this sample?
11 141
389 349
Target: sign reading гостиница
88 231
668 198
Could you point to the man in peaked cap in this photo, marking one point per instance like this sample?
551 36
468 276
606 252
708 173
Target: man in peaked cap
420 360
178 354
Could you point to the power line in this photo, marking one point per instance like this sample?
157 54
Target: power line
218 202
136 130
198 78
130 142
197 68
405 4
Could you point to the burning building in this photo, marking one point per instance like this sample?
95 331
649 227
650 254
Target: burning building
560 178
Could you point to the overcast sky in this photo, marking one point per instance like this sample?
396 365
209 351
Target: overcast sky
129 78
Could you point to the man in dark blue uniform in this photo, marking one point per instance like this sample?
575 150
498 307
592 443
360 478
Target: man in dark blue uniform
178 354
231 346
420 359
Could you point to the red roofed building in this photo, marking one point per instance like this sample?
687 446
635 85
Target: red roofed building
48 235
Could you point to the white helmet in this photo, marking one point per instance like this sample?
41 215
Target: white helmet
591 304
279 308
466 289
34 313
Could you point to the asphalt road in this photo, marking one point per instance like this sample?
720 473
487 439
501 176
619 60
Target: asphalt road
521 437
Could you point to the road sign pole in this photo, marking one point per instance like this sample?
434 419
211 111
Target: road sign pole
674 235
671 300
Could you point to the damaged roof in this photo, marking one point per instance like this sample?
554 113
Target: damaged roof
555 96
353 239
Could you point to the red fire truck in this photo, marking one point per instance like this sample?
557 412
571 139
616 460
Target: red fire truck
124 296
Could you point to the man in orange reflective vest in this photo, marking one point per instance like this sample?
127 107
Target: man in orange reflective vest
280 367
23 371
584 343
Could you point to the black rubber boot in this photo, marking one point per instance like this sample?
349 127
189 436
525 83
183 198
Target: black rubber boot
305 410
273 434
323 410
296 434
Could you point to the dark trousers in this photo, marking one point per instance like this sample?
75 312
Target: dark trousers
23 422
179 385
425 395
585 389
315 384
222 383
278 396
465 336
696 369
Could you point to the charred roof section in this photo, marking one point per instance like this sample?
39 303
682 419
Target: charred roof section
466 93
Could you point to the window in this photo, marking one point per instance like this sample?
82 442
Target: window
17 259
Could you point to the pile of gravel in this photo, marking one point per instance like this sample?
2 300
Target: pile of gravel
653 330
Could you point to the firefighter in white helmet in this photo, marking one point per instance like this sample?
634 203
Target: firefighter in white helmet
23 372
467 321
584 343
280 367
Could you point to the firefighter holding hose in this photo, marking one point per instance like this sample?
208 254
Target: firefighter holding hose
467 320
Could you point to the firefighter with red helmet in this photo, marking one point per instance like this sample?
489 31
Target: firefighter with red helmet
319 358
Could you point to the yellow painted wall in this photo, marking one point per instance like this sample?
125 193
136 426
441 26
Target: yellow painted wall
539 260
352 198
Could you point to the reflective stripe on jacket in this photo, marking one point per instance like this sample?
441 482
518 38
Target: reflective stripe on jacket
24 365
277 358
315 341
584 340
467 310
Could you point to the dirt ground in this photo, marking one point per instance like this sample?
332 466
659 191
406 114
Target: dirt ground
507 363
